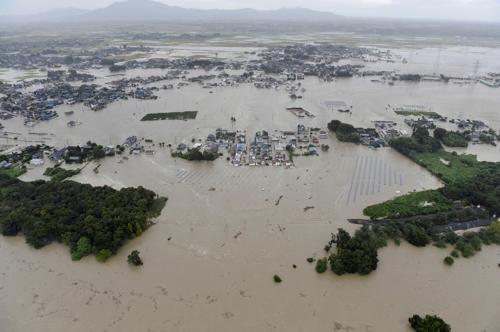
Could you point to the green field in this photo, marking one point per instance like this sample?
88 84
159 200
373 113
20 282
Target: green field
460 167
417 113
191 115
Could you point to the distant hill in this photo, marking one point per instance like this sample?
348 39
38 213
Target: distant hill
56 14
152 10
142 10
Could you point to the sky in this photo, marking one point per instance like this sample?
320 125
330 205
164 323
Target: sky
476 10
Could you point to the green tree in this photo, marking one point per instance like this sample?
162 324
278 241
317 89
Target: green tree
448 260
83 248
138 229
428 324
439 133
321 265
134 258
98 154
103 255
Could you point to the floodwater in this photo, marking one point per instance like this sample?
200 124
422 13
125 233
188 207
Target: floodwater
216 271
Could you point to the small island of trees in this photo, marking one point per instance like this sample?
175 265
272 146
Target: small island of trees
90 220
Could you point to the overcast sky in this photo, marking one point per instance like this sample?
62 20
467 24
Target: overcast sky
480 10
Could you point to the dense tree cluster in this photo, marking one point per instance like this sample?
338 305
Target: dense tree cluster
451 138
344 131
428 324
419 142
357 254
116 68
195 154
90 220
107 62
410 77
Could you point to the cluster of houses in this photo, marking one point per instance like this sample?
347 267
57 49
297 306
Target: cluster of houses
423 122
26 55
385 130
267 148
37 105
34 153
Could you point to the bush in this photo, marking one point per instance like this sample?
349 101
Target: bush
321 265
454 253
310 259
134 258
83 248
448 260
468 251
277 278
428 324
103 255
440 244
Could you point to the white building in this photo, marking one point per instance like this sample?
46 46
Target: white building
36 162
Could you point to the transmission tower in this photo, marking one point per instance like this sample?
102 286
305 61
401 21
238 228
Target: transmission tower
474 75
436 65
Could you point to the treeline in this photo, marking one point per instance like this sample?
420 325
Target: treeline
344 131
90 220
359 253
451 138
116 68
409 77
195 154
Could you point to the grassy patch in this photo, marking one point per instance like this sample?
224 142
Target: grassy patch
460 167
170 116
424 202
13 173
417 113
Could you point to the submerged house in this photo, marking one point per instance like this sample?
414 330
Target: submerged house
57 156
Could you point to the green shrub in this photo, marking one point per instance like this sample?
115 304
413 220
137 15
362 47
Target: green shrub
454 253
310 259
448 260
428 324
440 244
468 251
103 255
277 278
134 258
321 265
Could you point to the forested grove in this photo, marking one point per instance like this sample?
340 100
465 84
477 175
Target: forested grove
90 220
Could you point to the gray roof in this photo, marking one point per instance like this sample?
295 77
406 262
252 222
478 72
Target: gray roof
335 103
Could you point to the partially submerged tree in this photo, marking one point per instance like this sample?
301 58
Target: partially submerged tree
134 258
